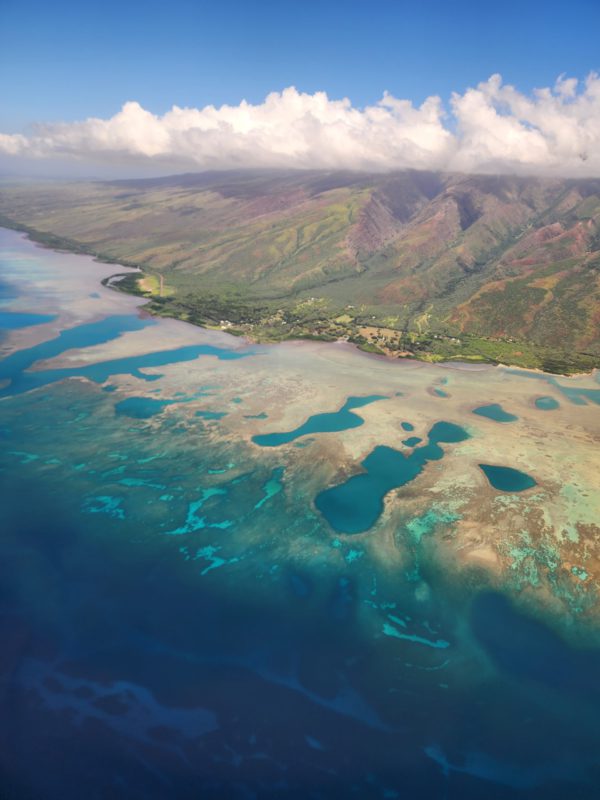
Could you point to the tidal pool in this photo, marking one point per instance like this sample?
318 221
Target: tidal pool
180 618
141 407
355 505
495 412
546 403
332 422
507 479
211 414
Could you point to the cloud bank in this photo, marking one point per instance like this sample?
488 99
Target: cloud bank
490 128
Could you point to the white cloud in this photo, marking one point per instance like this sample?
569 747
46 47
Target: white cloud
490 128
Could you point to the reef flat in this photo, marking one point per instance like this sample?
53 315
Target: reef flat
179 600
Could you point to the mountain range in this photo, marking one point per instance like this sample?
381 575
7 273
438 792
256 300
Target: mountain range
435 263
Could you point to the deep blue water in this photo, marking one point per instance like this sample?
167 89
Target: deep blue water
507 479
355 505
495 412
527 649
132 677
332 422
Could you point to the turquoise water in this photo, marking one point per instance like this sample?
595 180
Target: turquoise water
332 422
495 412
84 335
14 367
406 426
578 395
546 403
412 441
355 505
211 414
507 479
178 619
12 320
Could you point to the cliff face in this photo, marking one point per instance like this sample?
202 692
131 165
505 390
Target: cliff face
489 255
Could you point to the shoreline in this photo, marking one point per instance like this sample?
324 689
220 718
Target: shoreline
60 244
471 556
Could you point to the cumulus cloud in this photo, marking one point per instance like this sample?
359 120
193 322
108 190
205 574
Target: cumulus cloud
490 128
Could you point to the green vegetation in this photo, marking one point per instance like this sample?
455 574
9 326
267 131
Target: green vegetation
270 322
479 268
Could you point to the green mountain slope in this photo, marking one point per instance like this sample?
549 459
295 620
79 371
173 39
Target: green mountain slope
440 264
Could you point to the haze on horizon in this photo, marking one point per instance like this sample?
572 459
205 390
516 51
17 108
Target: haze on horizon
146 89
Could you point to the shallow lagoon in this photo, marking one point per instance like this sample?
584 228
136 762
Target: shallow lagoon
546 403
333 422
11 320
495 412
507 479
180 618
356 505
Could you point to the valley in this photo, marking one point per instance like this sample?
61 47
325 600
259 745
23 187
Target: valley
433 266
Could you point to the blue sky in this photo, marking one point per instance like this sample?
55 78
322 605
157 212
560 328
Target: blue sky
62 60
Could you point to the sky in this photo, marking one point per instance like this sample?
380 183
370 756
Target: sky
90 86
